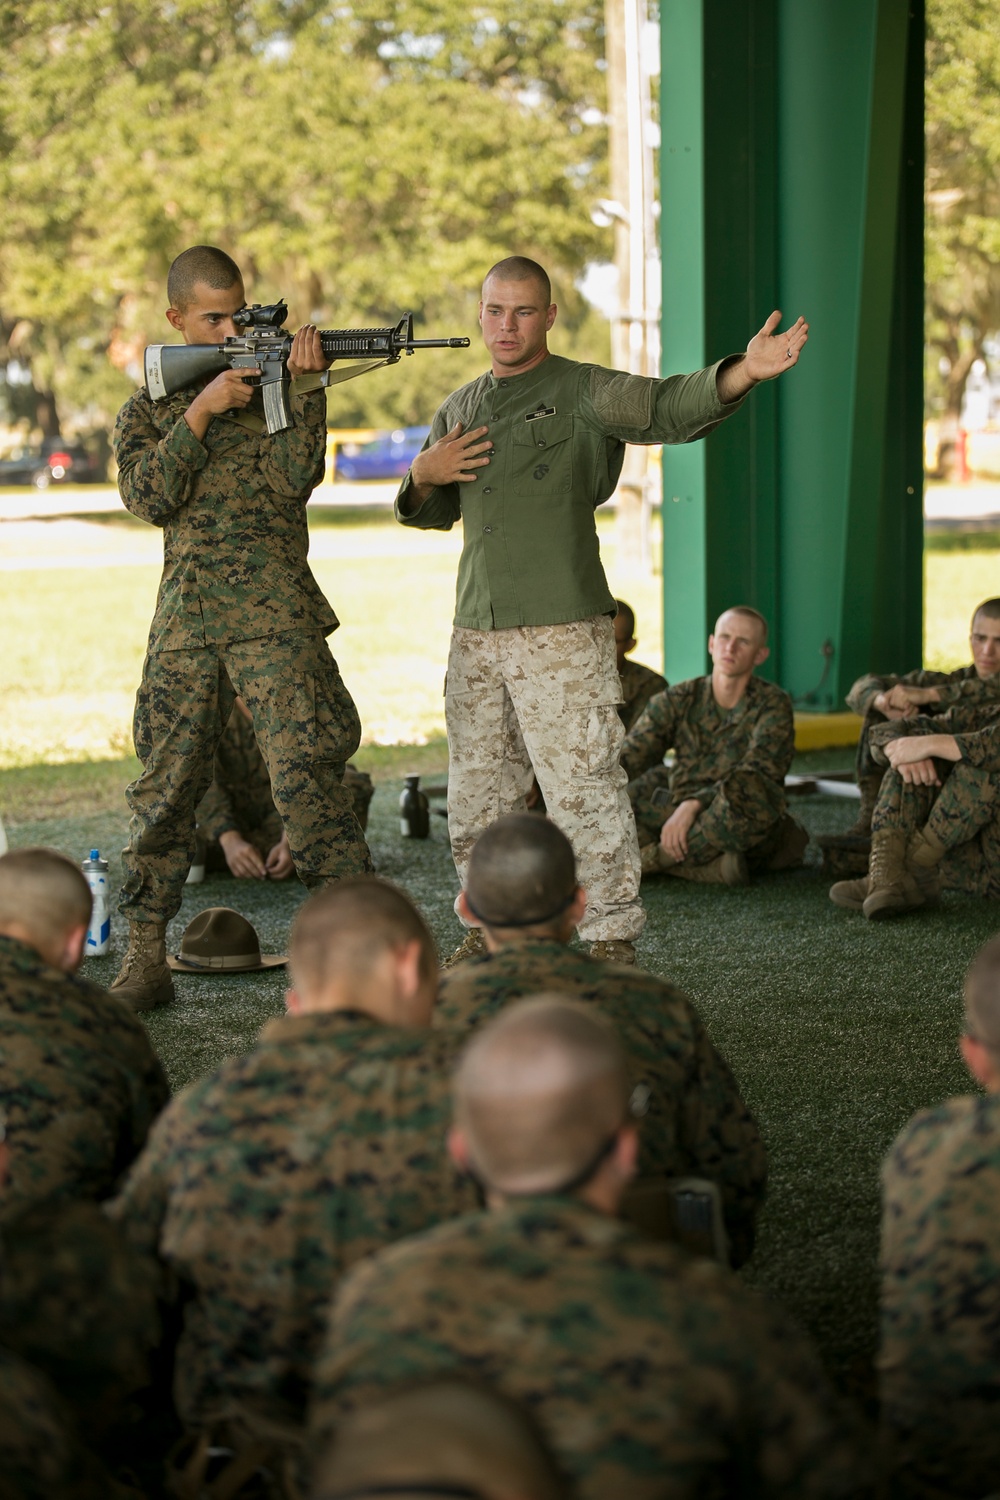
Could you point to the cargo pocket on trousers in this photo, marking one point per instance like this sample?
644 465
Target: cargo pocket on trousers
605 736
338 724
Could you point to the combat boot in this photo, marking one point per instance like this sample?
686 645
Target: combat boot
729 869
862 826
613 951
924 853
850 894
471 946
792 840
892 887
144 980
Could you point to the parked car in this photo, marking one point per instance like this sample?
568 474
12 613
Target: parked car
53 461
387 455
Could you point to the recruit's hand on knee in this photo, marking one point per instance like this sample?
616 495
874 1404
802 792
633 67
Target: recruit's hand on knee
674 833
243 859
278 865
919 773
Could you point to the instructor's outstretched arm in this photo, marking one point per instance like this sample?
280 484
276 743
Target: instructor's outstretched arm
768 355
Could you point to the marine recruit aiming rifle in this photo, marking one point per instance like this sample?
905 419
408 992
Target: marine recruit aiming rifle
266 346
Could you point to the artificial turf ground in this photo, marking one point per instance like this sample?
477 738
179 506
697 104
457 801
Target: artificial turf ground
836 1028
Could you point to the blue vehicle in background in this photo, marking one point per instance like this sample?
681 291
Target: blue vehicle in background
383 455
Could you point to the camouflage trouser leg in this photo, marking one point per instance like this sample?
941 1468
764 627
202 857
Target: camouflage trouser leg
183 703
742 817
544 699
964 813
649 795
307 728
864 764
306 725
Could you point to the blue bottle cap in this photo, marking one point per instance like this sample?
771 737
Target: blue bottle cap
95 853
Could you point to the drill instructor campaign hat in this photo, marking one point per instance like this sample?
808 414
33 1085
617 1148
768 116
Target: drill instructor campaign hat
220 941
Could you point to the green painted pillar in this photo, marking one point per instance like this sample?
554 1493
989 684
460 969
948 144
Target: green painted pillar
792 177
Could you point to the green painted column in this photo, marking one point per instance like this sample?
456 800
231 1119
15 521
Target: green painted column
792 178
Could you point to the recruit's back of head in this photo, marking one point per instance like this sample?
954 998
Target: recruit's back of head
541 1094
341 932
521 874
445 1439
43 897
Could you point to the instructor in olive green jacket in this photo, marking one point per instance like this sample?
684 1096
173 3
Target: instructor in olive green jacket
523 455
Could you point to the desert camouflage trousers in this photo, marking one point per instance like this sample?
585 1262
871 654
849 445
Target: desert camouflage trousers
964 813
744 816
307 728
543 700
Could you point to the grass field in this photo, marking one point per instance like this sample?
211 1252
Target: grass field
836 1028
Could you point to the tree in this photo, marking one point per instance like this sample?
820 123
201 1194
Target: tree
963 190
360 159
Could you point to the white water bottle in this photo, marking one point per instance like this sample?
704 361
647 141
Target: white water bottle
95 872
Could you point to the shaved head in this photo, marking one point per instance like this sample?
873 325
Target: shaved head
439 1436
520 268
44 893
982 996
202 263
344 929
990 608
540 1094
522 873
750 613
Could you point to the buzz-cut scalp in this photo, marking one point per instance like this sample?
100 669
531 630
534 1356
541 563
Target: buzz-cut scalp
538 1091
753 614
43 891
989 607
982 996
204 263
345 928
520 268
522 873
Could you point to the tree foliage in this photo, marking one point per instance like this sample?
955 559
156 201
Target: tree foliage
963 189
361 159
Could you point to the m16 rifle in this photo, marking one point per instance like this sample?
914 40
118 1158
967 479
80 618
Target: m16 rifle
266 346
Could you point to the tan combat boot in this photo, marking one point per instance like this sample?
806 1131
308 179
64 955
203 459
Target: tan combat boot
613 951
924 853
144 980
892 888
850 894
729 869
470 947
791 847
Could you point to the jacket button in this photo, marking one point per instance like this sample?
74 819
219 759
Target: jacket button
487 529
488 490
541 442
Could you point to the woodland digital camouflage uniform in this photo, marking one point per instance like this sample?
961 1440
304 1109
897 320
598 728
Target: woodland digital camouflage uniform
651 1373
733 760
240 795
962 689
262 1183
79 1080
639 684
940 1310
83 1306
697 1124
964 812
238 610
41 1455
